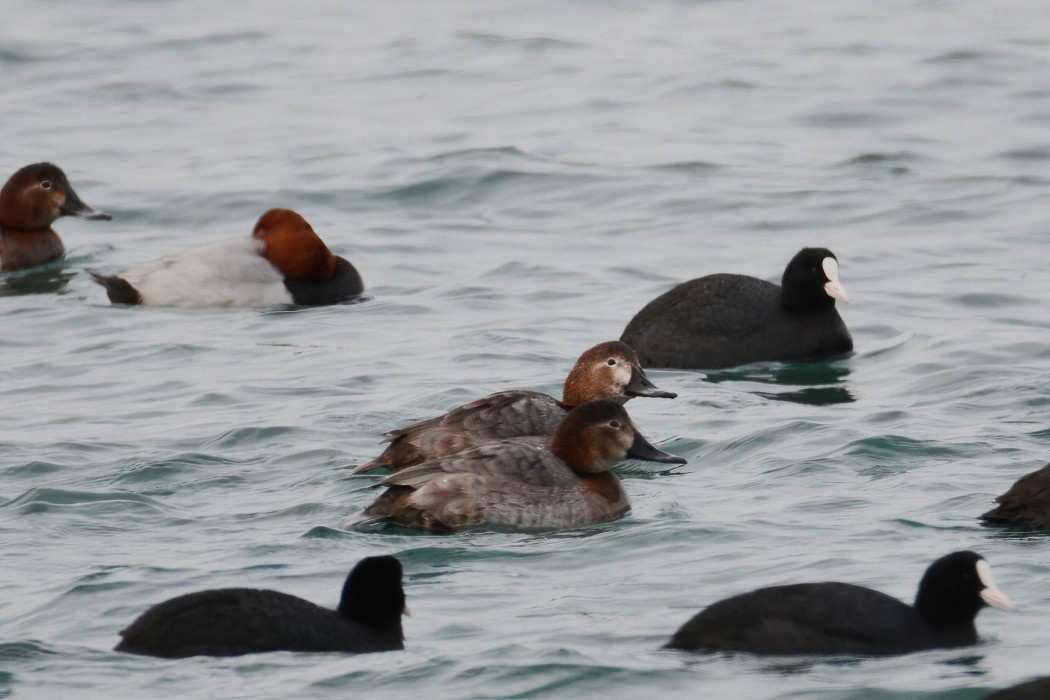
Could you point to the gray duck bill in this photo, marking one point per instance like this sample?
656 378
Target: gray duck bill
641 386
644 450
73 206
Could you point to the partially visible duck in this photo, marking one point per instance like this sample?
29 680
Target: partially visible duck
606 371
1026 504
840 618
31 200
282 262
235 621
1035 689
726 320
512 484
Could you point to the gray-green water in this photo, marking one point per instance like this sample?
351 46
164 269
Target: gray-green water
515 179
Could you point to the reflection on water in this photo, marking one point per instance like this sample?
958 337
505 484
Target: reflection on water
823 396
821 383
791 667
970 665
641 471
1017 533
47 279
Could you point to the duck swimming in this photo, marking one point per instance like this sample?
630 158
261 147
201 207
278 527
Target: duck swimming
518 485
606 371
1026 503
282 262
1035 689
726 320
30 201
840 618
235 621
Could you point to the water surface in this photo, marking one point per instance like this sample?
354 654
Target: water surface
515 180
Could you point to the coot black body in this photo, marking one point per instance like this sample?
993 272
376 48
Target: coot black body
726 320
841 618
235 621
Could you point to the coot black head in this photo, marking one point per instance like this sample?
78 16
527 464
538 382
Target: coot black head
955 588
372 594
811 281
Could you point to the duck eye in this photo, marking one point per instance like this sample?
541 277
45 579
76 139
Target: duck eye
610 362
46 184
614 424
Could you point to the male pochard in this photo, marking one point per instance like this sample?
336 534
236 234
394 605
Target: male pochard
282 262
513 484
727 320
606 371
30 201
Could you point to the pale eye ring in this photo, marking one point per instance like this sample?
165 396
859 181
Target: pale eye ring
611 361
614 423
46 184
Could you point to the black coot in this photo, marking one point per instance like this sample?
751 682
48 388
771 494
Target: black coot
726 320
234 621
840 618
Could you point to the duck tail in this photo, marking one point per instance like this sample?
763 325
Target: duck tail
118 289
370 465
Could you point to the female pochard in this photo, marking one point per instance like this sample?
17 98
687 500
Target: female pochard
1026 503
606 371
31 200
518 485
